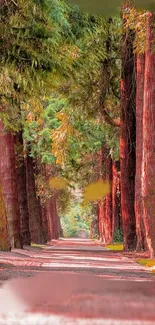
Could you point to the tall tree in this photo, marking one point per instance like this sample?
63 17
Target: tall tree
105 205
101 219
108 205
22 192
9 186
46 234
116 217
4 238
140 228
148 169
102 203
128 138
52 218
35 220
51 209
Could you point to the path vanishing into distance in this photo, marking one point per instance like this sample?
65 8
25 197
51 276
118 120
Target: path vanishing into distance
74 282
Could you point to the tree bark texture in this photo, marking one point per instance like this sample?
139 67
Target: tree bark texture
46 233
128 141
9 186
51 209
4 237
35 221
116 213
22 191
140 228
52 217
148 166
108 205
105 205
102 210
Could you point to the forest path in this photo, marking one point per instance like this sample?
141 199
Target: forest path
74 282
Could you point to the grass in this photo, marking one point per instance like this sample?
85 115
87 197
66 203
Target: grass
115 247
37 245
147 263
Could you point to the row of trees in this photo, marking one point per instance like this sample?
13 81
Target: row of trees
137 132
43 44
77 96
136 135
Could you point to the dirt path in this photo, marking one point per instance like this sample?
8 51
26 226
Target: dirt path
74 282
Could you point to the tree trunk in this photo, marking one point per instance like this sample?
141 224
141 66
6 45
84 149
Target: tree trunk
105 205
4 237
128 140
108 204
9 186
59 227
148 165
42 199
101 218
35 222
46 234
22 193
140 228
101 204
52 218
116 217
51 209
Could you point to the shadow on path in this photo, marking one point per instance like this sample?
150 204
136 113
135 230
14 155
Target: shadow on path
76 278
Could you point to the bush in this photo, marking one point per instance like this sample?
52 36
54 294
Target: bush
118 236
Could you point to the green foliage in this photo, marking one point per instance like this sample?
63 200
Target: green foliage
136 20
111 7
37 131
75 220
36 53
85 93
118 236
83 96
56 59
64 201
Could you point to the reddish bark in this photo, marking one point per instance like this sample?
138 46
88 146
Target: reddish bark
127 141
45 223
52 217
116 217
9 186
101 205
51 210
46 234
101 218
148 166
4 237
35 222
105 205
140 229
108 204
22 192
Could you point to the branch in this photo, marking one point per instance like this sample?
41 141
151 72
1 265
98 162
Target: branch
14 3
115 94
108 119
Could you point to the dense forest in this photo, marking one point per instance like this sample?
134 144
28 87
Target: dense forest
77 124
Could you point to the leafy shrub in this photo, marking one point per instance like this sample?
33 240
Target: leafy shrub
118 236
